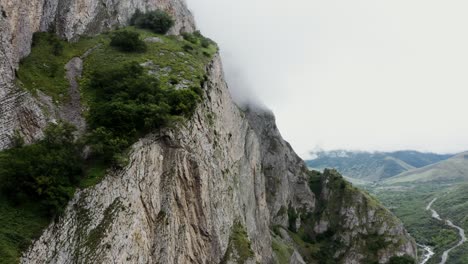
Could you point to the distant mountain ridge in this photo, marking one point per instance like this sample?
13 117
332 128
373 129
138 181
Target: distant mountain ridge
373 166
453 169
408 194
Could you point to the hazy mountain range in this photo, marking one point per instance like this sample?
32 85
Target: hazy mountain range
373 166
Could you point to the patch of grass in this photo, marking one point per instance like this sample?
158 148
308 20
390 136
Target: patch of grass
19 225
282 251
167 60
198 39
44 71
309 251
239 249
94 172
94 238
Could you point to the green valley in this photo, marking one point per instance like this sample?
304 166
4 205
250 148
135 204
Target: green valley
444 180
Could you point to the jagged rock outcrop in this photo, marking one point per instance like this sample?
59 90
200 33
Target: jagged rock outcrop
70 19
357 223
186 189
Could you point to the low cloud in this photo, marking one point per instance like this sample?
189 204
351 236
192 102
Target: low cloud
368 75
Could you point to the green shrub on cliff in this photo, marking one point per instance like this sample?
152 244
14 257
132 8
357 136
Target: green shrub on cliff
158 21
128 41
129 103
198 39
45 172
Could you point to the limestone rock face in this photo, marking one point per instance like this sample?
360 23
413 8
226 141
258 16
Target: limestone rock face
176 201
185 188
70 19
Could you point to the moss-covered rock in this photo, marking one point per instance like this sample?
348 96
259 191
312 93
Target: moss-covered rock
239 248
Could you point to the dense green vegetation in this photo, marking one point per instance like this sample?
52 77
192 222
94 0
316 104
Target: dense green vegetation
19 224
44 172
128 104
127 91
173 62
158 21
198 39
409 193
409 202
128 41
36 182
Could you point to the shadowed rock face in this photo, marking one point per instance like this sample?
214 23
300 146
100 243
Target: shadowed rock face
70 19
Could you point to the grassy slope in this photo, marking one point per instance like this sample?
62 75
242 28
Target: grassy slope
455 169
45 72
35 70
18 226
373 166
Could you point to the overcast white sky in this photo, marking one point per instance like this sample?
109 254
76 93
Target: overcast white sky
362 74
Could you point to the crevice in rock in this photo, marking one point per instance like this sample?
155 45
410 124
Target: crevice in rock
71 111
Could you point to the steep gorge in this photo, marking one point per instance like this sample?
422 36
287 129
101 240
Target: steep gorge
220 188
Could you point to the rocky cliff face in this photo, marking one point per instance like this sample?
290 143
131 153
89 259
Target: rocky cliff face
177 201
69 19
187 190
211 190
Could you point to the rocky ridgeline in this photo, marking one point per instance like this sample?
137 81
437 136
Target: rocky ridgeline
222 188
